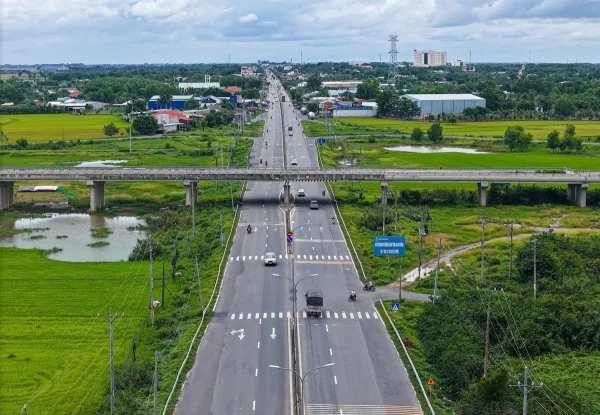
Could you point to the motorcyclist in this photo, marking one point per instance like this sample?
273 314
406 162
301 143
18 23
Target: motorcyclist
353 295
260 161
267 143
369 285
323 192
333 220
266 163
249 228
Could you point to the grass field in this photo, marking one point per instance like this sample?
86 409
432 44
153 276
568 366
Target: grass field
538 156
52 345
47 127
539 129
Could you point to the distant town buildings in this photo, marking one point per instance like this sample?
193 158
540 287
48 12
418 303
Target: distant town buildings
429 58
456 62
247 71
199 85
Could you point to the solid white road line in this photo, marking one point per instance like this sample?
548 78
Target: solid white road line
254 405
259 345
256 372
330 352
335 380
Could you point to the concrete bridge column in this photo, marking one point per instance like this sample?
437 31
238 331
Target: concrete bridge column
582 194
384 191
97 200
7 195
286 194
482 193
191 192
572 192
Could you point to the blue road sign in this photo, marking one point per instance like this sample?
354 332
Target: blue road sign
289 239
395 306
321 140
389 245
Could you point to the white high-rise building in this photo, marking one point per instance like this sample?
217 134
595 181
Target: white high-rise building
426 58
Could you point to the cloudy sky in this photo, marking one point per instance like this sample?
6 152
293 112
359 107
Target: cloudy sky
138 31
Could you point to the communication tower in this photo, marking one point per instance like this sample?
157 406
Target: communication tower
393 67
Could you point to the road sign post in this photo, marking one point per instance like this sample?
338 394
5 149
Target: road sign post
289 239
395 306
430 383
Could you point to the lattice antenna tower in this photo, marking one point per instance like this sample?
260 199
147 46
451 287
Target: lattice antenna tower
393 66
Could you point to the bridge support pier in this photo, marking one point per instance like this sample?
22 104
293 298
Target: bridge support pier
7 195
384 191
96 194
287 190
577 193
482 193
191 192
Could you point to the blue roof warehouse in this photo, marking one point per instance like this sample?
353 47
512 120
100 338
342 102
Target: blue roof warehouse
176 103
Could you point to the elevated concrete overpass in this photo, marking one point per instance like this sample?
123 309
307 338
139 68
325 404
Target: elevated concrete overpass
577 182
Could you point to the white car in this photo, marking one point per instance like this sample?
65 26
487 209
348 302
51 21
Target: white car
270 258
294 162
301 193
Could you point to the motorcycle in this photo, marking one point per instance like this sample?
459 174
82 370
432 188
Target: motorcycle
267 143
352 297
323 192
260 161
266 163
249 229
366 288
333 220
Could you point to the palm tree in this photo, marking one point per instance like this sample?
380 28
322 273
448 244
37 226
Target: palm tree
165 99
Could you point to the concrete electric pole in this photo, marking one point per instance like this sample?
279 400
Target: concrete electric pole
151 284
510 251
111 318
487 332
526 388
437 270
482 244
534 268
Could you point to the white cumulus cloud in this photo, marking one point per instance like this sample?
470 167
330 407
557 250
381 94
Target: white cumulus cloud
248 18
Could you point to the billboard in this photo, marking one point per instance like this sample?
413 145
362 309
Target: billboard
389 245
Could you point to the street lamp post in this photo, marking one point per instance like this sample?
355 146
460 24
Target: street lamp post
294 290
301 378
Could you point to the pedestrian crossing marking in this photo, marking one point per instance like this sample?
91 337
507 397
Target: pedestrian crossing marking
326 314
327 409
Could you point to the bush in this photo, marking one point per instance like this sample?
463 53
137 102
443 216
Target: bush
417 134
22 142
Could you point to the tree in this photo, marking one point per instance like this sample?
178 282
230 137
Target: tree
435 132
111 129
553 142
493 98
22 142
312 107
452 120
516 138
387 102
408 108
191 104
564 107
314 82
368 89
417 134
145 125
570 140
165 98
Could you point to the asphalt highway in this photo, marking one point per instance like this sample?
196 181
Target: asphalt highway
249 329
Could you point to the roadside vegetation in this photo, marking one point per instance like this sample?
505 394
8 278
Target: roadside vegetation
554 335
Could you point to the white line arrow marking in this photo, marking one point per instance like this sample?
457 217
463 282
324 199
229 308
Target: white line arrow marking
241 331
273 335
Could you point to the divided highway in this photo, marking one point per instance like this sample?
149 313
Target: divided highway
249 328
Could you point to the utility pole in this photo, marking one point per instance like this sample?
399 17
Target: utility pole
155 380
421 235
111 318
395 210
194 211
199 285
482 244
487 333
437 270
221 236
130 139
400 282
151 284
162 296
510 249
526 388
534 268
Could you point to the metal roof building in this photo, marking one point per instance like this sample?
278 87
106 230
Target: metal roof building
445 103
177 102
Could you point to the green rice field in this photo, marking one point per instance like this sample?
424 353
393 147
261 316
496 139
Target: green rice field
54 350
52 127
539 129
